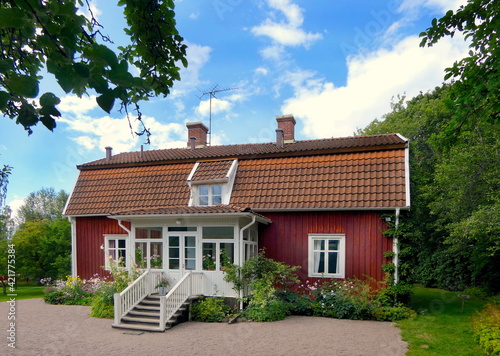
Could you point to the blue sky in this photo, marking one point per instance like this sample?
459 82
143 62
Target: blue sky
334 64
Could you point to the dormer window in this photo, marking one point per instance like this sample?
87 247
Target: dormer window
209 194
211 182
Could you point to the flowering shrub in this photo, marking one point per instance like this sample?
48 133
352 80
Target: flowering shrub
97 291
73 290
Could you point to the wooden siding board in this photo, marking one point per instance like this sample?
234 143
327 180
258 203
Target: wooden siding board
286 239
90 233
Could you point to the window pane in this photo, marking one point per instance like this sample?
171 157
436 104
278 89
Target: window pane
190 264
216 199
319 244
209 256
190 252
203 190
332 262
111 243
333 245
156 257
148 233
173 252
190 241
226 254
182 228
204 200
216 189
173 263
319 262
140 254
173 240
218 232
121 243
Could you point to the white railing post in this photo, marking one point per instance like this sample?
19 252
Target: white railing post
117 308
163 304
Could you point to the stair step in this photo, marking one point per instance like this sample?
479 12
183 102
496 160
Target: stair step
142 327
134 319
147 314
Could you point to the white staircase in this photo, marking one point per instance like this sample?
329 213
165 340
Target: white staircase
138 308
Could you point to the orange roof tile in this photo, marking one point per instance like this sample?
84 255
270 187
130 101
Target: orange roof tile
369 178
211 170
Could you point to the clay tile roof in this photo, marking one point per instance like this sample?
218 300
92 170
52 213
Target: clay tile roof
367 172
248 150
212 170
188 210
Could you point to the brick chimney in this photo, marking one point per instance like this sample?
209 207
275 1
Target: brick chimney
198 131
287 124
109 153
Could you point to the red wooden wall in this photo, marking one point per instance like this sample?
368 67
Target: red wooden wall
286 239
89 239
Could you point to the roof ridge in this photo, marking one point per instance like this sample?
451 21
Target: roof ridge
302 147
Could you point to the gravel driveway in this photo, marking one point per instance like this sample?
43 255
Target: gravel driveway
52 330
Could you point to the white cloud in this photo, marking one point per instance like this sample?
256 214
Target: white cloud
373 79
262 71
75 105
197 57
218 106
289 31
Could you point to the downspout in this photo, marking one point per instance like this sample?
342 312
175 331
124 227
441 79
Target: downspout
120 224
242 251
72 221
395 248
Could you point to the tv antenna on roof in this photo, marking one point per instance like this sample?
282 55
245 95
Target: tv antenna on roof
211 95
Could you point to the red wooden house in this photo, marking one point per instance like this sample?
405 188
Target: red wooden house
188 211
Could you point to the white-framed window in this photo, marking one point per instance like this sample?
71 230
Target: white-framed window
209 194
218 247
116 247
327 255
149 247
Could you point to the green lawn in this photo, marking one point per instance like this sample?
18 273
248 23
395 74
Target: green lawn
441 327
23 291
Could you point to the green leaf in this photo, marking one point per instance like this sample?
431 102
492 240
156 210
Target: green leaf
106 101
23 85
11 18
82 70
50 110
6 64
4 98
48 122
49 99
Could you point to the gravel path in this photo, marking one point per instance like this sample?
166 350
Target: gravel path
53 330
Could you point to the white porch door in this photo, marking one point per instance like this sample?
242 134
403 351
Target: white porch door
181 254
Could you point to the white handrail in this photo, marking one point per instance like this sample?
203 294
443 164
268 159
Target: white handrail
190 284
135 293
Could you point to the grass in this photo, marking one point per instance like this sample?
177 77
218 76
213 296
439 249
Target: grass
23 291
441 327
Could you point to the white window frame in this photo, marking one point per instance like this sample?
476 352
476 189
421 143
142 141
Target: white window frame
107 249
341 255
210 195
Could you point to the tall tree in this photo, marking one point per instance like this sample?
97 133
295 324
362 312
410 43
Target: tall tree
42 204
476 93
53 34
4 180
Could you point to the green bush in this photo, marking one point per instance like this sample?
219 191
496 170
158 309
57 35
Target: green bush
298 304
385 313
267 310
395 294
211 309
486 328
103 301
